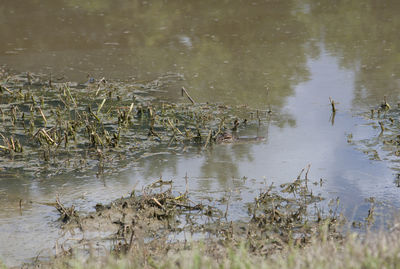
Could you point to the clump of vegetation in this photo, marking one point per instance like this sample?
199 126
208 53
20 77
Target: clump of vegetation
52 127
386 144
150 227
260 243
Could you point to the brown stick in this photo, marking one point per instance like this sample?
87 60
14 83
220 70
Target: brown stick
61 208
5 88
43 131
174 127
184 91
333 105
208 140
158 203
382 126
44 118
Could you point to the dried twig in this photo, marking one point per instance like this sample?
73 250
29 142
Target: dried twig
158 203
184 91
333 105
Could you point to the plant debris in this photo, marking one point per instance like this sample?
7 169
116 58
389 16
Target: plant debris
51 128
278 217
385 145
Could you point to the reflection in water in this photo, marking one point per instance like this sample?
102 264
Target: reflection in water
287 55
228 51
363 36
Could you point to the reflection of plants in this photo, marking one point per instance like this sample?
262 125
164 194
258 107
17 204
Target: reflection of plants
255 67
91 6
223 162
256 54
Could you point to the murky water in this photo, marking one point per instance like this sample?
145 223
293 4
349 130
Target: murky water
288 56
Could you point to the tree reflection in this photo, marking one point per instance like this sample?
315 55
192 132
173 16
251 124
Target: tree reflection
363 36
227 51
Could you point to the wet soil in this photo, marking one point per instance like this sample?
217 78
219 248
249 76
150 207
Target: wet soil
147 222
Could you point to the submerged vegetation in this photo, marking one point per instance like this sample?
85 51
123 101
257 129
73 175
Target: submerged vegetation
51 128
385 145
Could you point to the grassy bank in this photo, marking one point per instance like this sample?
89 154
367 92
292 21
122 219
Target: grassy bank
375 250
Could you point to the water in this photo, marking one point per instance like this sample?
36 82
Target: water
288 56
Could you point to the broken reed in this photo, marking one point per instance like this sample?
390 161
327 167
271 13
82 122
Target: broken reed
44 118
282 216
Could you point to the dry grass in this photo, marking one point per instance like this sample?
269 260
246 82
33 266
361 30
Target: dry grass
373 250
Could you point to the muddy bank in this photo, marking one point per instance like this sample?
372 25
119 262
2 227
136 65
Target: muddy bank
158 222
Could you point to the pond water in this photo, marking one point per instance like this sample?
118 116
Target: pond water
289 56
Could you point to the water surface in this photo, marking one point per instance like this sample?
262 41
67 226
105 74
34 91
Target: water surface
288 56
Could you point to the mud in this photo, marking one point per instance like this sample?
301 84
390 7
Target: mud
147 222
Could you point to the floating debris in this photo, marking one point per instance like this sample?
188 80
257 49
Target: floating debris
278 217
385 105
333 105
58 126
386 144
